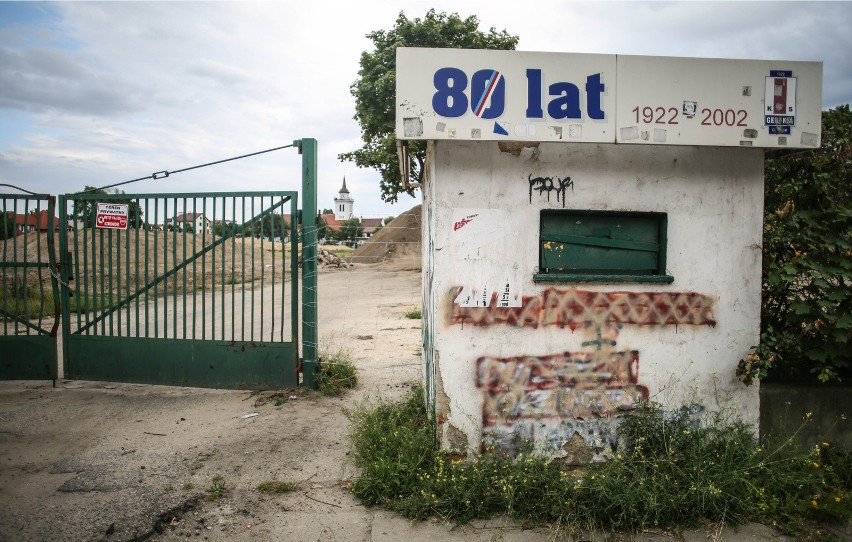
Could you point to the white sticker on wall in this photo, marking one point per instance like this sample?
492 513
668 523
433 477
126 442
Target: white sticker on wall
480 245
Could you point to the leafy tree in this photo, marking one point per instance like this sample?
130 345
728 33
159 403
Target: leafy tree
271 226
7 226
350 230
85 210
375 88
223 227
327 212
387 220
322 227
806 315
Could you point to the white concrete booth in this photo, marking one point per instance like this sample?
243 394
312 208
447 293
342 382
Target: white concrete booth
591 234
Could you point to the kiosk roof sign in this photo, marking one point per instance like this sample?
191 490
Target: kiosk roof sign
527 96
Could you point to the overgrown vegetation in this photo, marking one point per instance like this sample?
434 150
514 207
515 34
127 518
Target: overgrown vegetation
806 316
679 469
336 372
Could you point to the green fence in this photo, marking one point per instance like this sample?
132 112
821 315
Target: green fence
189 289
192 289
29 297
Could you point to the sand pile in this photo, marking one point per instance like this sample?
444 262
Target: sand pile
397 244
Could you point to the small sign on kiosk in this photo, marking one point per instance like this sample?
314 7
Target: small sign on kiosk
112 216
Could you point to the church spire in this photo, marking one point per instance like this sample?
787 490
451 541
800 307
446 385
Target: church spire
344 204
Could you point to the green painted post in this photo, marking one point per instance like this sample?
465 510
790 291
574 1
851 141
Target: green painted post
65 272
310 331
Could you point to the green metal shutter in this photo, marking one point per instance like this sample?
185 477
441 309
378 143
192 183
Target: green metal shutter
602 243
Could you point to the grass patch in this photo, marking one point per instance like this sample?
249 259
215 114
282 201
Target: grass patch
679 470
278 487
336 372
341 252
415 314
33 303
217 488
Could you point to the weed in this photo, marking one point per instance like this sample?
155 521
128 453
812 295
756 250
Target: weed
189 485
336 372
280 401
278 487
415 314
677 469
217 488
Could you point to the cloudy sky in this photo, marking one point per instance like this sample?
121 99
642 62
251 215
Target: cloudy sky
98 93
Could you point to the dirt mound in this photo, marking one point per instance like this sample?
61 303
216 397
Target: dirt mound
123 260
398 243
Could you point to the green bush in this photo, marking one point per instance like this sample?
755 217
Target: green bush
806 315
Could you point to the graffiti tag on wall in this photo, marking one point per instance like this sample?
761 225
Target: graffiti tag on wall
550 185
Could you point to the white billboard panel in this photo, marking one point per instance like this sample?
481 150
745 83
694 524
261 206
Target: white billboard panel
530 96
701 101
504 95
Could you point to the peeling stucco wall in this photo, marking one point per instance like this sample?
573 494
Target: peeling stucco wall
560 361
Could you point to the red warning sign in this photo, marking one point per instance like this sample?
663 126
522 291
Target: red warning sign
112 216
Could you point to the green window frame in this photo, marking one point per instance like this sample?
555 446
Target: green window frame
602 246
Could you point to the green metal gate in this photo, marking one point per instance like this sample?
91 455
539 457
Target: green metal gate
199 289
29 297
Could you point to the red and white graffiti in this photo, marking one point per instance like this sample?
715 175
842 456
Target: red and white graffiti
552 397
571 384
578 308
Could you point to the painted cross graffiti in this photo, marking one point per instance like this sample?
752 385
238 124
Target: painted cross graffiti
551 398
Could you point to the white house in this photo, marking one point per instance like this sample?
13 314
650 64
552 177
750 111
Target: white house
197 221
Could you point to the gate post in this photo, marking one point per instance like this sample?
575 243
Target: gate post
310 334
64 289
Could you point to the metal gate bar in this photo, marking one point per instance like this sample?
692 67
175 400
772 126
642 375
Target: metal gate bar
27 307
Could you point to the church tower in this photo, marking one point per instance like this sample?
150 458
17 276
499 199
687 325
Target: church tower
343 204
